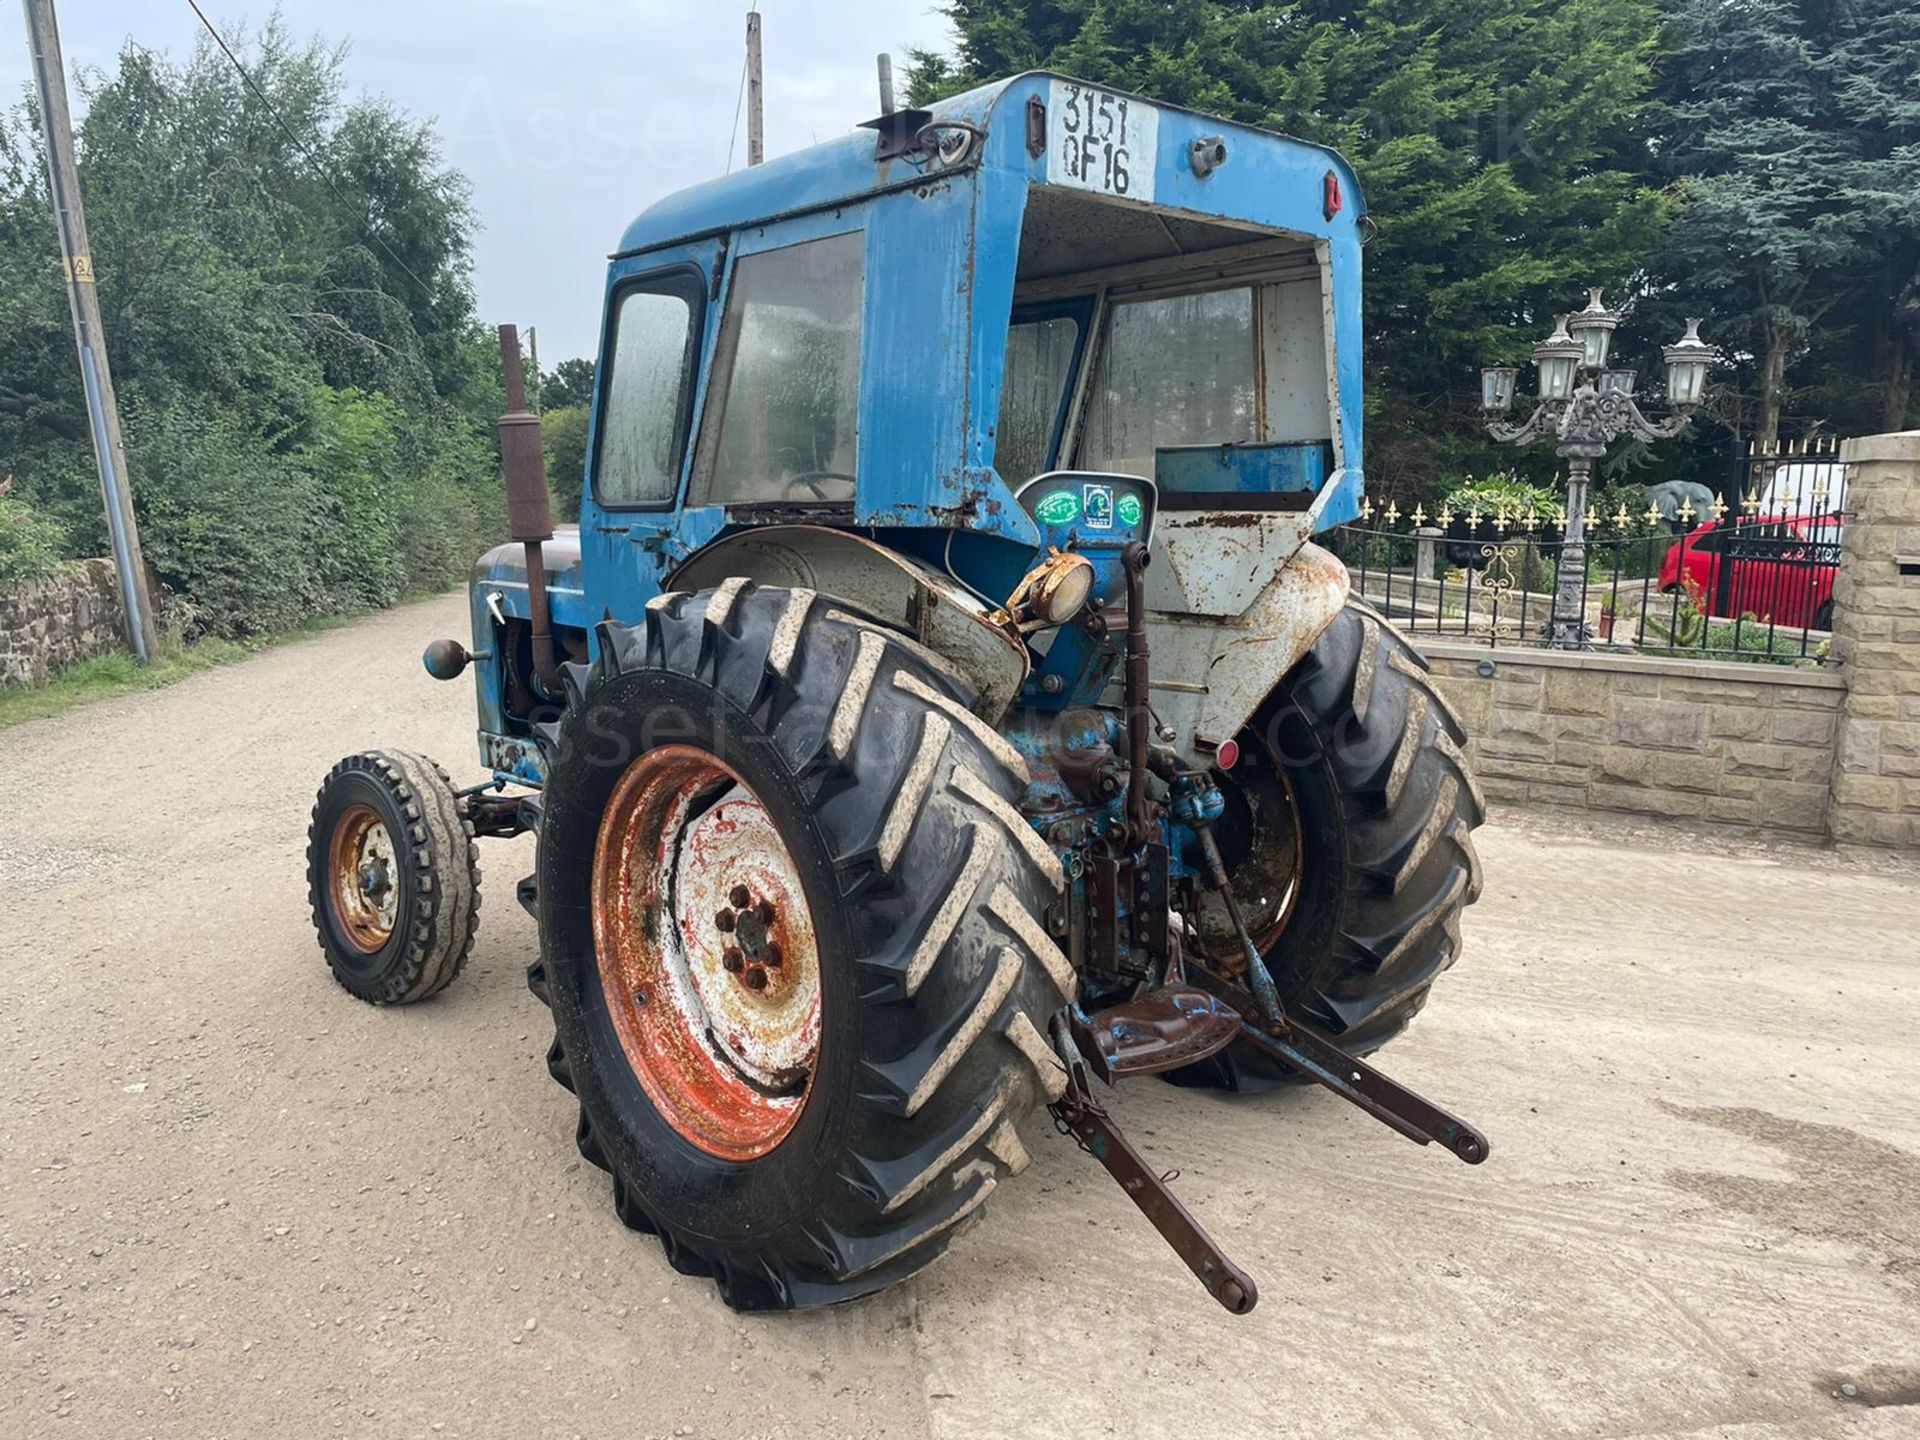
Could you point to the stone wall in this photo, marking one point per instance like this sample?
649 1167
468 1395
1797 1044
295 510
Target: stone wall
1739 744
48 624
1876 637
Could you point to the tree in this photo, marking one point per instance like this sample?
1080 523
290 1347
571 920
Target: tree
1793 132
1500 144
570 385
307 395
565 433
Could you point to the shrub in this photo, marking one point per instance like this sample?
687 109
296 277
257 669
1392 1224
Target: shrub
353 457
225 521
566 438
30 542
1491 494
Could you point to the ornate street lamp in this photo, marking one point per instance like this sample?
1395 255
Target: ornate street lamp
1584 407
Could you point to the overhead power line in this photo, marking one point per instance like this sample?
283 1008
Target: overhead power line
312 156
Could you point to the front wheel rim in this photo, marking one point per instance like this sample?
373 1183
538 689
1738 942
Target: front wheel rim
706 952
364 879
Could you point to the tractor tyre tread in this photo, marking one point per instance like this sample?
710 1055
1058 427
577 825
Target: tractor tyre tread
942 884
440 911
1397 849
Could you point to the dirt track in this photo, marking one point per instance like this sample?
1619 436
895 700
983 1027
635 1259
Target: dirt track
234 1202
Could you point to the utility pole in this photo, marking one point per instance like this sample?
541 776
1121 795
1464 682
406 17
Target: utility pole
533 351
103 414
756 104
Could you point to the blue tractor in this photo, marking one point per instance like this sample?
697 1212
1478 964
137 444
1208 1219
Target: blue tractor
941 706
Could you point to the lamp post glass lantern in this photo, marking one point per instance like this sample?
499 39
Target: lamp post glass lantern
1584 406
1593 327
1687 362
1558 359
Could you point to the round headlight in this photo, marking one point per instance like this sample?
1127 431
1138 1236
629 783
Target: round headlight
1061 590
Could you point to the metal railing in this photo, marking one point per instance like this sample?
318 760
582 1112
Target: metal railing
1746 582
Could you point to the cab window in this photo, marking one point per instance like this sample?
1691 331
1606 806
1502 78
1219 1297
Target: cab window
1040 355
784 428
645 395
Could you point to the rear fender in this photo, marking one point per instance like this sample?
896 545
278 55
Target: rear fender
931 607
1211 672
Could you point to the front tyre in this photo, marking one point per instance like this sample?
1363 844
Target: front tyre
1349 839
790 936
392 876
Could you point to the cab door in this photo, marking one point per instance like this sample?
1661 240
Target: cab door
655 342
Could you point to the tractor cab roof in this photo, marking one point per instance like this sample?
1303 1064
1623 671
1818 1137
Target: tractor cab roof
917 246
1266 179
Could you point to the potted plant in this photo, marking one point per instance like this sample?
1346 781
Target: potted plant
1609 611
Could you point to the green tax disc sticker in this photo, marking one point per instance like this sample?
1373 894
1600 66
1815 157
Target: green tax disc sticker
1061 507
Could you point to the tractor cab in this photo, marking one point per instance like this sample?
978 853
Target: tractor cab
921 332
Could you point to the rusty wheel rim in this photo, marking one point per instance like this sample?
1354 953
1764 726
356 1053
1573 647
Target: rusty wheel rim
1268 879
706 952
365 879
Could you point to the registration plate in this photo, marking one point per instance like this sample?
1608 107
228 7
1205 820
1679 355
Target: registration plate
1100 141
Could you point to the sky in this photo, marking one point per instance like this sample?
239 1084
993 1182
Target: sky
568 116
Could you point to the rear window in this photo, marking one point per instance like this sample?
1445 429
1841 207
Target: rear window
1178 370
1033 394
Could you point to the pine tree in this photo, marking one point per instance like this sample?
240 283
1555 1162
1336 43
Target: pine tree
1794 136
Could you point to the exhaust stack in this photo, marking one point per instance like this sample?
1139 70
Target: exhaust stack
529 510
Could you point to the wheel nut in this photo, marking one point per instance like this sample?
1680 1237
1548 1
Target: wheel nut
756 979
724 920
767 912
771 954
741 897
733 959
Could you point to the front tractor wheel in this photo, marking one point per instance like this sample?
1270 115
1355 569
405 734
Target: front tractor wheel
790 936
392 877
1348 837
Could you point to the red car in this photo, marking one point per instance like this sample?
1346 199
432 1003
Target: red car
1776 568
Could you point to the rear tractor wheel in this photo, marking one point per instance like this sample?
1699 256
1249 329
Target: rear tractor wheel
392 877
789 934
1348 836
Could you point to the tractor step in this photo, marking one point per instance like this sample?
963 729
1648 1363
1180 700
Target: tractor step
1161 1030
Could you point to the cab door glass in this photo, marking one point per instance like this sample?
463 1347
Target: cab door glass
787 373
644 397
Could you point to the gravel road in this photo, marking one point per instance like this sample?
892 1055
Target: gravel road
234 1202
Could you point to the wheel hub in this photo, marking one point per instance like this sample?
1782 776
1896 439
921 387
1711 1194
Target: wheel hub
706 951
365 878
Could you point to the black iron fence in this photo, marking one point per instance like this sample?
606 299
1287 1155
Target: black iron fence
1688 575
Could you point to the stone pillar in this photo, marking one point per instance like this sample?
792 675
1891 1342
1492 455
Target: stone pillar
1876 641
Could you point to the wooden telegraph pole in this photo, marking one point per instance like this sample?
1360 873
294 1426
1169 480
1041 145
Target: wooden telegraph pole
103 414
756 104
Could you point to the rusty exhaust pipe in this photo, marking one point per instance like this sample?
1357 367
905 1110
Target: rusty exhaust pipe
529 510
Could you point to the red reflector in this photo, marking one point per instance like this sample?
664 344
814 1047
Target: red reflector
1330 201
1228 755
